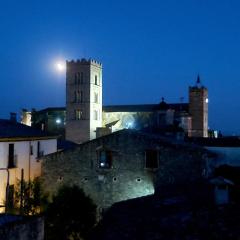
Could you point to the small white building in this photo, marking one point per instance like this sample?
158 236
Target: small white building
20 149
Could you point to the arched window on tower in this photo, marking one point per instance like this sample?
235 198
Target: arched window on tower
81 96
75 96
81 77
78 114
76 78
96 80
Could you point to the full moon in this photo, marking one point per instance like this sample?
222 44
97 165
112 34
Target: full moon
60 66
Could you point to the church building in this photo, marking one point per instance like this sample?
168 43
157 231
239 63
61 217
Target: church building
85 118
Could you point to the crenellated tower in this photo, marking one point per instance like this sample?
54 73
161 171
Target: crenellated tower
83 99
198 109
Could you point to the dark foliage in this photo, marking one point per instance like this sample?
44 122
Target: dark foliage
71 215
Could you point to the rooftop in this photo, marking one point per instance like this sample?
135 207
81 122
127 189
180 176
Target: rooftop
144 107
11 129
216 142
129 108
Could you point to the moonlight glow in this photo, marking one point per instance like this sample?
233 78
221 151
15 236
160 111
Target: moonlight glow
60 66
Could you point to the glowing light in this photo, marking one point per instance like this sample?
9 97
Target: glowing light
206 100
60 66
58 121
130 125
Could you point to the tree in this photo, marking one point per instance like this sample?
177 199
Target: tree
70 215
29 198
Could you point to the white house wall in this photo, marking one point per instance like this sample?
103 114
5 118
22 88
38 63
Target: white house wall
29 163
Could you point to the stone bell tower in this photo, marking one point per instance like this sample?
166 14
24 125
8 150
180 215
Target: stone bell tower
83 99
198 109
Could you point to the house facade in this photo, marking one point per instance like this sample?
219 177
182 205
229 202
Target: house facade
21 147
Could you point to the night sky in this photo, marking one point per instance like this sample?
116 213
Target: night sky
149 49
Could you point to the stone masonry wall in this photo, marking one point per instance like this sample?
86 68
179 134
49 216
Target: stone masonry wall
128 178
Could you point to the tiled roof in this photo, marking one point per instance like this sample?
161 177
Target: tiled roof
129 108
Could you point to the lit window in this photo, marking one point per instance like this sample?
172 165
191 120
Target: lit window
95 115
78 114
151 159
96 80
95 98
105 159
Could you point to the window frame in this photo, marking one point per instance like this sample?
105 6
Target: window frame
12 158
154 164
78 114
107 159
96 79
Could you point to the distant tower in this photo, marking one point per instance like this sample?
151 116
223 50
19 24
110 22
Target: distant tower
198 109
84 99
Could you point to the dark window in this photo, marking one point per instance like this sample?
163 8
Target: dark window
10 195
96 80
81 96
38 150
11 157
151 159
76 78
81 77
78 96
31 150
105 159
75 96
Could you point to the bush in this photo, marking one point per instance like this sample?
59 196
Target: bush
71 215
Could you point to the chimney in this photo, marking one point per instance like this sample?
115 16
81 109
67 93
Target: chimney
13 117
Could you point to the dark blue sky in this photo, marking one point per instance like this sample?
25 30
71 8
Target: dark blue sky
149 49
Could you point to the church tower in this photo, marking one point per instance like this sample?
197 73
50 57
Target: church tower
84 99
198 109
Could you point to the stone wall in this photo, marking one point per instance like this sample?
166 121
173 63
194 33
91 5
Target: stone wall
128 176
